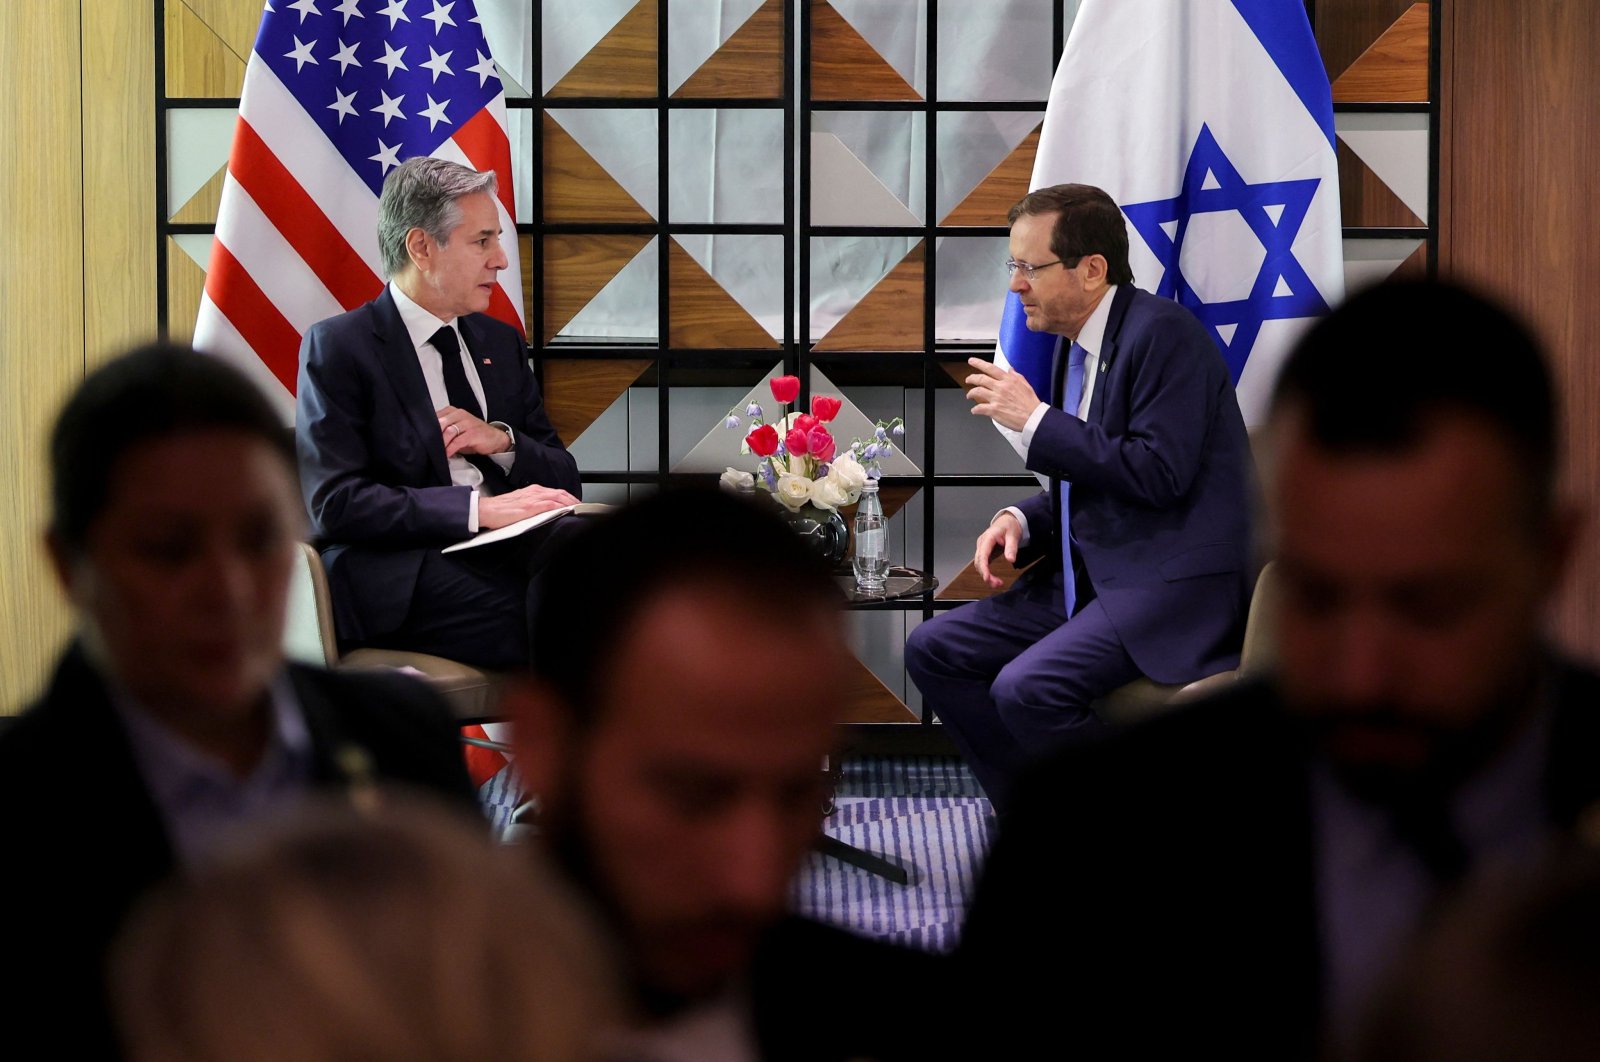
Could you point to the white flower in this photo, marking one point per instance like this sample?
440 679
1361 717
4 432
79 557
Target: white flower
830 493
793 491
849 473
738 481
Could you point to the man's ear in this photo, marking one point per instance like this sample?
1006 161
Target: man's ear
64 563
542 734
419 248
1095 270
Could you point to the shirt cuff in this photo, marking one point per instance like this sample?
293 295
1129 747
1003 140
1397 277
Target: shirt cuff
1023 520
472 513
1030 427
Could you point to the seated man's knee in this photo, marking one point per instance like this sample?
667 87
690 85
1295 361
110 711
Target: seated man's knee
923 646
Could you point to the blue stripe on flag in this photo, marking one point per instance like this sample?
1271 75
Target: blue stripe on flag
1029 353
1284 31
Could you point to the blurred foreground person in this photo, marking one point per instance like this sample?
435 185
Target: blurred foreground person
1242 872
1512 970
402 935
172 720
685 694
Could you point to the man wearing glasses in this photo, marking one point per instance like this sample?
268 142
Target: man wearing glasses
1149 477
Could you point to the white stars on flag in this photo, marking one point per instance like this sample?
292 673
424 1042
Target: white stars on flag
305 7
396 12
437 63
440 16
434 113
344 104
301 54
387 156
484 68
349 10
391 58
346 56
389 108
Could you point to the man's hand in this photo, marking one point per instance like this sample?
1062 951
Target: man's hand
1005 397
465 434
498 510
1006 533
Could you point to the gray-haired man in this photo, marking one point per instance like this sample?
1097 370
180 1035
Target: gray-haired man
420 422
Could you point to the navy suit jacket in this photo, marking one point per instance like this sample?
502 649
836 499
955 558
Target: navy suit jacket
1162 489
372 463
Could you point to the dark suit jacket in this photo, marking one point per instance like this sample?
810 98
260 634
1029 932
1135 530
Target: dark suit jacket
372 463
1162 482
1162 882
83 839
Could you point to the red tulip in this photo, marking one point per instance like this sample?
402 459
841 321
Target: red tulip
786 388
825 407
797 442
821 444
807 423
763 441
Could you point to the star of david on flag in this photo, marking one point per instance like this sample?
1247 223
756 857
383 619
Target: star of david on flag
1211 125
336 94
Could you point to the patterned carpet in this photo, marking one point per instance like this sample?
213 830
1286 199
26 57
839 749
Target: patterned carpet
924 813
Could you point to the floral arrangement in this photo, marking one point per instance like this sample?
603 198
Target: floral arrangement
801 463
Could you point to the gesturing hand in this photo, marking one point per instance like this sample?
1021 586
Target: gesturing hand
498 510
466 434
1005 532
1003 396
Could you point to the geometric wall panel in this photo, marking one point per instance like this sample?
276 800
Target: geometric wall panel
1395 147
846 192
576 188
1394 69
1368 262
703 314
889 317
622 64
201 209
845 67
749 64
988 203
969 585
578 391
185 283
576 268
863 698
199 63
1365 201
235 22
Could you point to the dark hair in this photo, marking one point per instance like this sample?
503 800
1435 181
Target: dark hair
1088 221
682 537
1371 375
146 395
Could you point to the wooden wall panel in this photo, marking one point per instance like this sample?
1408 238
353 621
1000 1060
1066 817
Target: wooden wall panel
199 62
622 64
749 63
186 281
703 313
889 317
1394 69
1364 200
998 192
845 67
1518 216
576 187
41 316
1346 28
576 268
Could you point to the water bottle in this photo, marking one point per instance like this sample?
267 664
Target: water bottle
872 541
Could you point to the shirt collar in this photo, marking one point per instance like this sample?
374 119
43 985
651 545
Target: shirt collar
420 324
1093 335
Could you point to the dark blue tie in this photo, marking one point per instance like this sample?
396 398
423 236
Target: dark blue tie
1070 402
459 391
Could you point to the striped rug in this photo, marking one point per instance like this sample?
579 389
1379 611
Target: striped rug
926 814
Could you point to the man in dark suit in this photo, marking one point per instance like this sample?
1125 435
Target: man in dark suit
1243 872
418 423
172 723
675 734
1149 467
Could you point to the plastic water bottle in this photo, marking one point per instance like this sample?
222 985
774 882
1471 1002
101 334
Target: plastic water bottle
872 541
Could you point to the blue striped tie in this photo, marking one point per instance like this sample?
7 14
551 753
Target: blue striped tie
1074 395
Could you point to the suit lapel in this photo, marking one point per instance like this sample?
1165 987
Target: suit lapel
404 372
1108 352
478 349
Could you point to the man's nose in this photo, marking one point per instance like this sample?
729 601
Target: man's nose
1019 282
756 863
1362 668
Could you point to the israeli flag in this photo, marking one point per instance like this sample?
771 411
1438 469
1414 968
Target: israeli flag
1210 122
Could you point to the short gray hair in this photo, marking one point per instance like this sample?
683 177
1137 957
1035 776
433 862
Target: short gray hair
423 193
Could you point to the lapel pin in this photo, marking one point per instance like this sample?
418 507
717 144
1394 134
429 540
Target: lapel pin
486 361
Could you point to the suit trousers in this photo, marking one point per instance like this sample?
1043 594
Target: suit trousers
1011 677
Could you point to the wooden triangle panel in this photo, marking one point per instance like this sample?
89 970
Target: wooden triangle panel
199 63
845 67
1365 201
576 268
577 391
968 585
889 317
892 498
1394 68
622 64
577 188
1415 267
960 370
863 698
749 64
235 22
201 209
185 283
525 256
997 193
703 314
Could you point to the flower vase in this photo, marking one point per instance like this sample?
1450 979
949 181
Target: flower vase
823 530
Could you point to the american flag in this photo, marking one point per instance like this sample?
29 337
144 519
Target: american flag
336 94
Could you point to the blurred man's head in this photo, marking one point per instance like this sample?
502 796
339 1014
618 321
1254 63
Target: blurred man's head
686 682
1417 532
173 524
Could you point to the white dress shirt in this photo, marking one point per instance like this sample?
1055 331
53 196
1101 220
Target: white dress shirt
420 326
1092 339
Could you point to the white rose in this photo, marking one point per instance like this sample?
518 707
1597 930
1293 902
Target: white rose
830 493
737 481
793 491
848 471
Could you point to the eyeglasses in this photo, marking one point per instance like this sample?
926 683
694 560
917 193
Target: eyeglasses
1031 272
